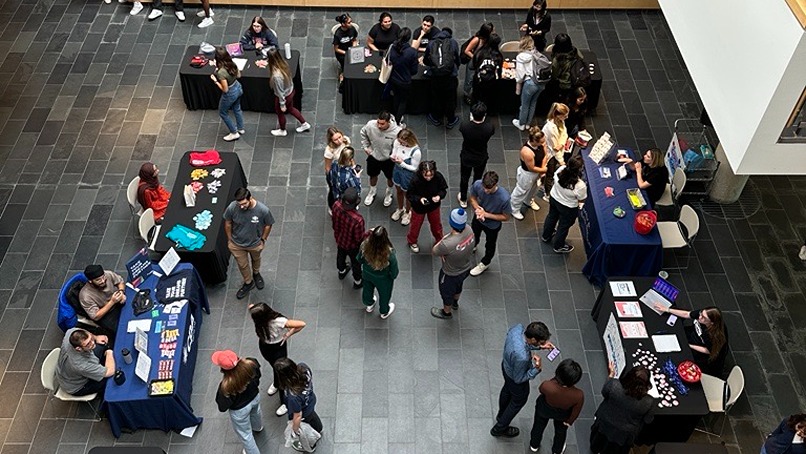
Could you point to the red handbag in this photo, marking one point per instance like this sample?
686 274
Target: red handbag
645 221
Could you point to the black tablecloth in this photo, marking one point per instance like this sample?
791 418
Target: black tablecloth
362 91
672 424
689 448
212 260
199 92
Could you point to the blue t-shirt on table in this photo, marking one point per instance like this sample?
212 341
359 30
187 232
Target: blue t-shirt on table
496 203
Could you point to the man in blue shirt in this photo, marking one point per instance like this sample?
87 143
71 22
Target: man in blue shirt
520 365
489 202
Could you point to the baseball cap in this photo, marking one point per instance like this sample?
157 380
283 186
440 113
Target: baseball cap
225 359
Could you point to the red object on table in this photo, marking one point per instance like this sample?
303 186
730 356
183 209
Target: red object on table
689 372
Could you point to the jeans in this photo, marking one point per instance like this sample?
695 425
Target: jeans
231 100
467 88
289 107
562 215
243 256
341 261
543 413
246 420
523 189
178 5
529 93
443 97
464 176
492 239
512 398
271 353
417 222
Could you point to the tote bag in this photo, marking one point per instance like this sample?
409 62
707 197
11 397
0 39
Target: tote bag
386 69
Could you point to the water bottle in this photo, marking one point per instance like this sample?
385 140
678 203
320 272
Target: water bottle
127 355
663 274
120 377
288 51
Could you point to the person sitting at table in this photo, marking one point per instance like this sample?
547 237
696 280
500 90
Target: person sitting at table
226 79
383 34
559 401
283 86
406 155
538 23
623 413
424 33
707 337
567 194
85 362
345 37
239 395
532 167
577 110
344 174
336 142
102 296
556 139
652 174
488 62
403 58
469 51
150 193
788 438
259 36
247 224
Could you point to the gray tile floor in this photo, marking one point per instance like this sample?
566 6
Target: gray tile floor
89 93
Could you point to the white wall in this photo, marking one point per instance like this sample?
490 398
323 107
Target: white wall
748 62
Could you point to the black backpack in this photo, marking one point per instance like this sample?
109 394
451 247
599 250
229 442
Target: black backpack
580 74
442 57
487 70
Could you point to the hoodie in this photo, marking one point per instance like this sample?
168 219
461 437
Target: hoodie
454 48
527 63
404 64
379 142
265 37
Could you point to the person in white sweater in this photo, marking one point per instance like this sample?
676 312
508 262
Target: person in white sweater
283 87
406 155
556 140
529 64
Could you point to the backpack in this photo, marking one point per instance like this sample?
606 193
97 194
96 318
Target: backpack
541 69
442 57
487 70
580 74
463 58
570 70
69 306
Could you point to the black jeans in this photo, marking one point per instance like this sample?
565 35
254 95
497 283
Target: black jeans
271 353
492 239
314 421
513 397
543 413
464 175
443 97
341 261
562 215
109 322
178 5
399 100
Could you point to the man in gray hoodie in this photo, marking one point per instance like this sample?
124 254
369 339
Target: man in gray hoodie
377 138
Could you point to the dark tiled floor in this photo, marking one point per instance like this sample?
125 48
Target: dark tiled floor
88 93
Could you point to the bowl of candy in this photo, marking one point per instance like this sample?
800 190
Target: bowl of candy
689 372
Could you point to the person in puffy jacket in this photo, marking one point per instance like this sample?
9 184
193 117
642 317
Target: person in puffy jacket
403 58
258 36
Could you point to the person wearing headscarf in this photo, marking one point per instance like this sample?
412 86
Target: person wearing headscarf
150 193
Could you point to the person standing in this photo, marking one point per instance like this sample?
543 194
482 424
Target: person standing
623 412
247 224
788 438
403 58
283 86
559 401
344 174
377 138
489 63
538 23
406 155
349 231
532 72
156 10
344 37
336 142
469 50
226 79
426 191
476 134
273 330
296 382
567 194
442 59
532 167
491 207
520 364
456 252
556 141
239 395
379 269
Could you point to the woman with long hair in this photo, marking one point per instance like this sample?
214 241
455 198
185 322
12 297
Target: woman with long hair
488 62
382 34
567 194
296 383
344 37
788 438
344 174
623 413
238 394
538 22
379 269
258 36
578 109
652 174
150 193
283 87
273 330
426 191
406 155
528 83
226 79
403 58
476 42
556 140
707 336
532 167
336 142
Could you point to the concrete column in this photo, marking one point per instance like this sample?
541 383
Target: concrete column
727 186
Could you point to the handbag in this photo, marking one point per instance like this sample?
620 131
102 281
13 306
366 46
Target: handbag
386 69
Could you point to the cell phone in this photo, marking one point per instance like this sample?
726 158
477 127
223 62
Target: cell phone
672 320
358 168
553 354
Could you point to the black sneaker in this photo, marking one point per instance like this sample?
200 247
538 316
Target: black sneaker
509 432
358 284
244 290
565 249
343 273
547 240
452 123
258 280
439 313
455 306
433 120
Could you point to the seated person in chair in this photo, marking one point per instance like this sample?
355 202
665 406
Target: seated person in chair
150 193
102 296
85 362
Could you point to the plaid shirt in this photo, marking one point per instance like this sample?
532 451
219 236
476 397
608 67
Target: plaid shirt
348 227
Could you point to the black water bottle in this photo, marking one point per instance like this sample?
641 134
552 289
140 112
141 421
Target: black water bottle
127 355
120 377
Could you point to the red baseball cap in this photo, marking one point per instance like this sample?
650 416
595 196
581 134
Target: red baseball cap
225 359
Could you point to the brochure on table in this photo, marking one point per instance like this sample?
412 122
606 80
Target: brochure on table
613 345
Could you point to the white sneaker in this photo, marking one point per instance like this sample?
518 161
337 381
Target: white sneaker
107 1
516 124
272 390
533 205
462 203
397 214
370 196
206 22
155 13
414 248
478 269
517 215
282 410
374 303
232 136
304 127
802 253
391 309
546 198
387 198
406 218
279 132
136 8
122 1
200 13
241 131
180 15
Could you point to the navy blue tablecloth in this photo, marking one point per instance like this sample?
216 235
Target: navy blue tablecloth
128 406
612 245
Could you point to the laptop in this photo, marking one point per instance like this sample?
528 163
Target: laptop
662 293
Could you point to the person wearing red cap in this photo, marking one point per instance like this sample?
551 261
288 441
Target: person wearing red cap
239 395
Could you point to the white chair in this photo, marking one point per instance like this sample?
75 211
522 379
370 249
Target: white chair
353 24
672 234
131 196
146 223
510 46
673 189
721 394
49 382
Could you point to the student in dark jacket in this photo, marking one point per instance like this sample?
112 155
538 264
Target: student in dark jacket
403 58
488 62
258 36
788 438
239 395
623 413
559 401
426 191
538 23
443 83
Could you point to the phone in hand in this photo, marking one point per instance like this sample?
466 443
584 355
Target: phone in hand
358 168
553 354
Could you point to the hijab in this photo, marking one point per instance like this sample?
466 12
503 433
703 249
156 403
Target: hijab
147 180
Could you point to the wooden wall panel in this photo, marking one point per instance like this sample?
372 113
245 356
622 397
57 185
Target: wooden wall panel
452 4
